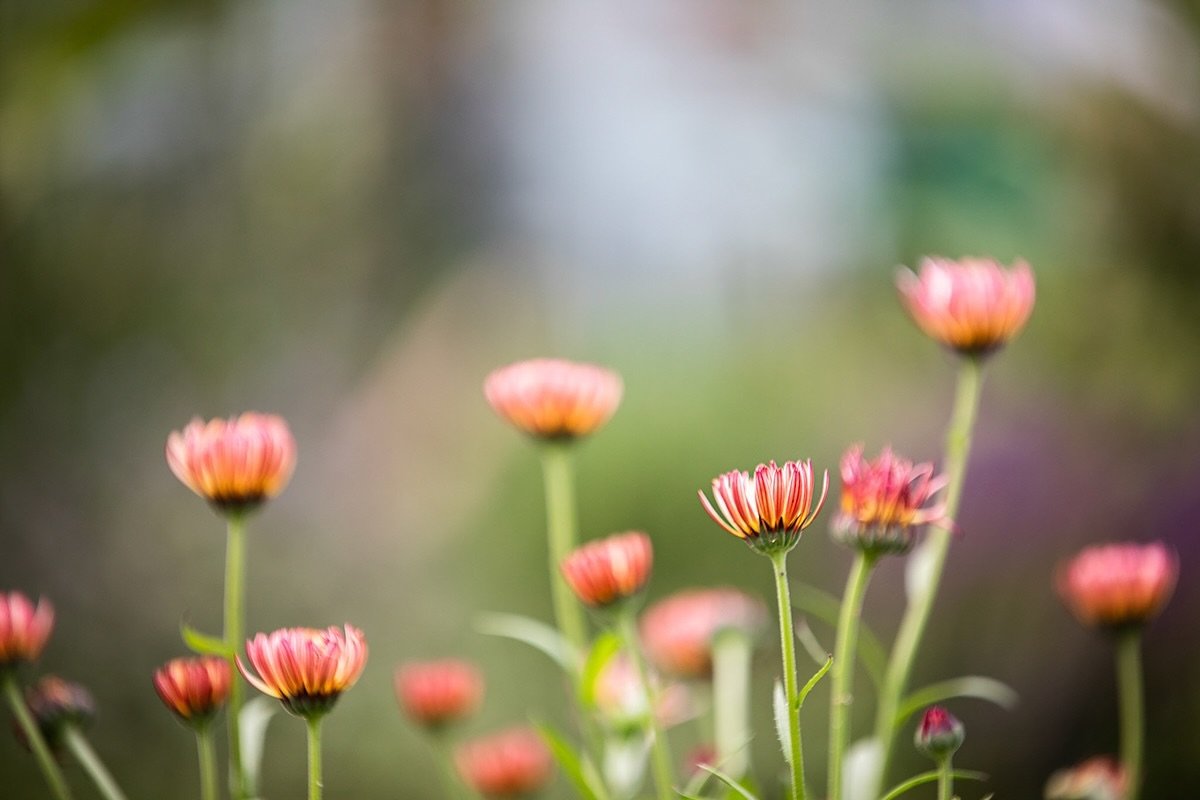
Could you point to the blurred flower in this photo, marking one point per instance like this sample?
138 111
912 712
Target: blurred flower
973 305
701 754
24 628
511 763
939 733
193 688
1117 585
436 692
678 631
307 669
55 704
235 464
1098 778
768 510
884 500
609 569
621 699
553 398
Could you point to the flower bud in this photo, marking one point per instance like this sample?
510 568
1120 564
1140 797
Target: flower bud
1098 778
512 763
939 734
1118 585
434 693
193 689
54 704
609 570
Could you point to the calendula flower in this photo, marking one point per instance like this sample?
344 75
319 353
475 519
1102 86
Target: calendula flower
884 501
678 631
235 464
972 306
767 510
610 569
193 688
54 704
550 398
1118 585
24 628
434 693
511 763
305 668
939 733
1098 778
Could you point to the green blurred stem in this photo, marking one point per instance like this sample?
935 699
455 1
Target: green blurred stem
935 548
445 759
787 641
82 750
843 667
235 590
945 779
732 651
208 763
660 755
314 757
37 743
1129 685
561 525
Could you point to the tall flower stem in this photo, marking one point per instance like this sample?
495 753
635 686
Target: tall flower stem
732 651
945 779
660 755
561 526
787 641
1129 685
933 550
235 590
82 750
208 763
37 743
314 757
843 667
442 752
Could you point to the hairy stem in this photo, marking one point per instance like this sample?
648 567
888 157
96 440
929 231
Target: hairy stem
1129 685
208 763
314 757
558 476
787 641
842 693
92 765
235 590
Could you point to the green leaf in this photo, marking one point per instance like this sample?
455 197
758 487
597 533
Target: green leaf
730 782
976 686
826 607
782 724
532 632
202 643
813 681
606 646
578 770
256 715
930 777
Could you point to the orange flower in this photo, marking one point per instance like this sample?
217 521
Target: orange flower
511 763
1098 778
193 688
769 510
24 628
436 692
678 632
552 398
883 500
610 569
54 704
973 306
307 669
1118 585
235 464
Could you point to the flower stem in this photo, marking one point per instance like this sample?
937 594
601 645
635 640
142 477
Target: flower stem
787 640
450 781
945 779
561 527
208 763
935 548
1129 684
842 694
732 652
37 743
82 750
235 589
314 757
660 755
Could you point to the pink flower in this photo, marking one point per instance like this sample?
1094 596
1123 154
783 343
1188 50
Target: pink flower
972 306
24 628
939 733
678 632
770 509
1117 585
437 692
1098 778
621 698
511 763
193 688
884 500
235 464
610 569
551 398
307 669
55 704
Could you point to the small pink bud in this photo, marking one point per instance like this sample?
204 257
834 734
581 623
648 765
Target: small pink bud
939 733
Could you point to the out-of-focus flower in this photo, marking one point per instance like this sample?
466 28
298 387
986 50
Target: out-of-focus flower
24 628
884 501
769 509
678 631
193 688
621 699
1098 778
973 305
700 755
1118 585
306 668
609 569
434 693
235 464
55 704
551 398
939 733
510 763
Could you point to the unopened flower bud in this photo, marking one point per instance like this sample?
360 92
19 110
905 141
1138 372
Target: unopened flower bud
54 704
939 733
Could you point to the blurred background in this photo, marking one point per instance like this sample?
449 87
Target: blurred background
348 213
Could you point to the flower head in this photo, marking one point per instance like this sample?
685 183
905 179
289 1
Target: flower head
193 688
307 669
511 763
884 500
235 464
769 509
24 628
678 631
972 306
434 693
939 733
609 569
620 698
550 398
1118 585
55 703
1098 778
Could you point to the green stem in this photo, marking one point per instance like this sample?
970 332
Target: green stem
235 589
33 735
561 528
660 755
945 779
208 763
442 752
1129 684
92 764
842 693
314 757
787 641
934 549
732 651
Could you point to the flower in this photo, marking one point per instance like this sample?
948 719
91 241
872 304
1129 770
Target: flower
768 510
235 464
610 569
436 692
1118 585
1098 778
550 398
307 669
939 733
620 699
193 688
884 500
678 631
24 628
506 764
972 306
55 704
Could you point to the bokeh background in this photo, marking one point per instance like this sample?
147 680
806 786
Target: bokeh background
349 212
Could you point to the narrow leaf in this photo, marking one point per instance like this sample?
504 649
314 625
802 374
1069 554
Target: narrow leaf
730 782
782 725
808 640
572 765
977 686
255 717
930 777
826 608
532 632
202 643
813 681
606 646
